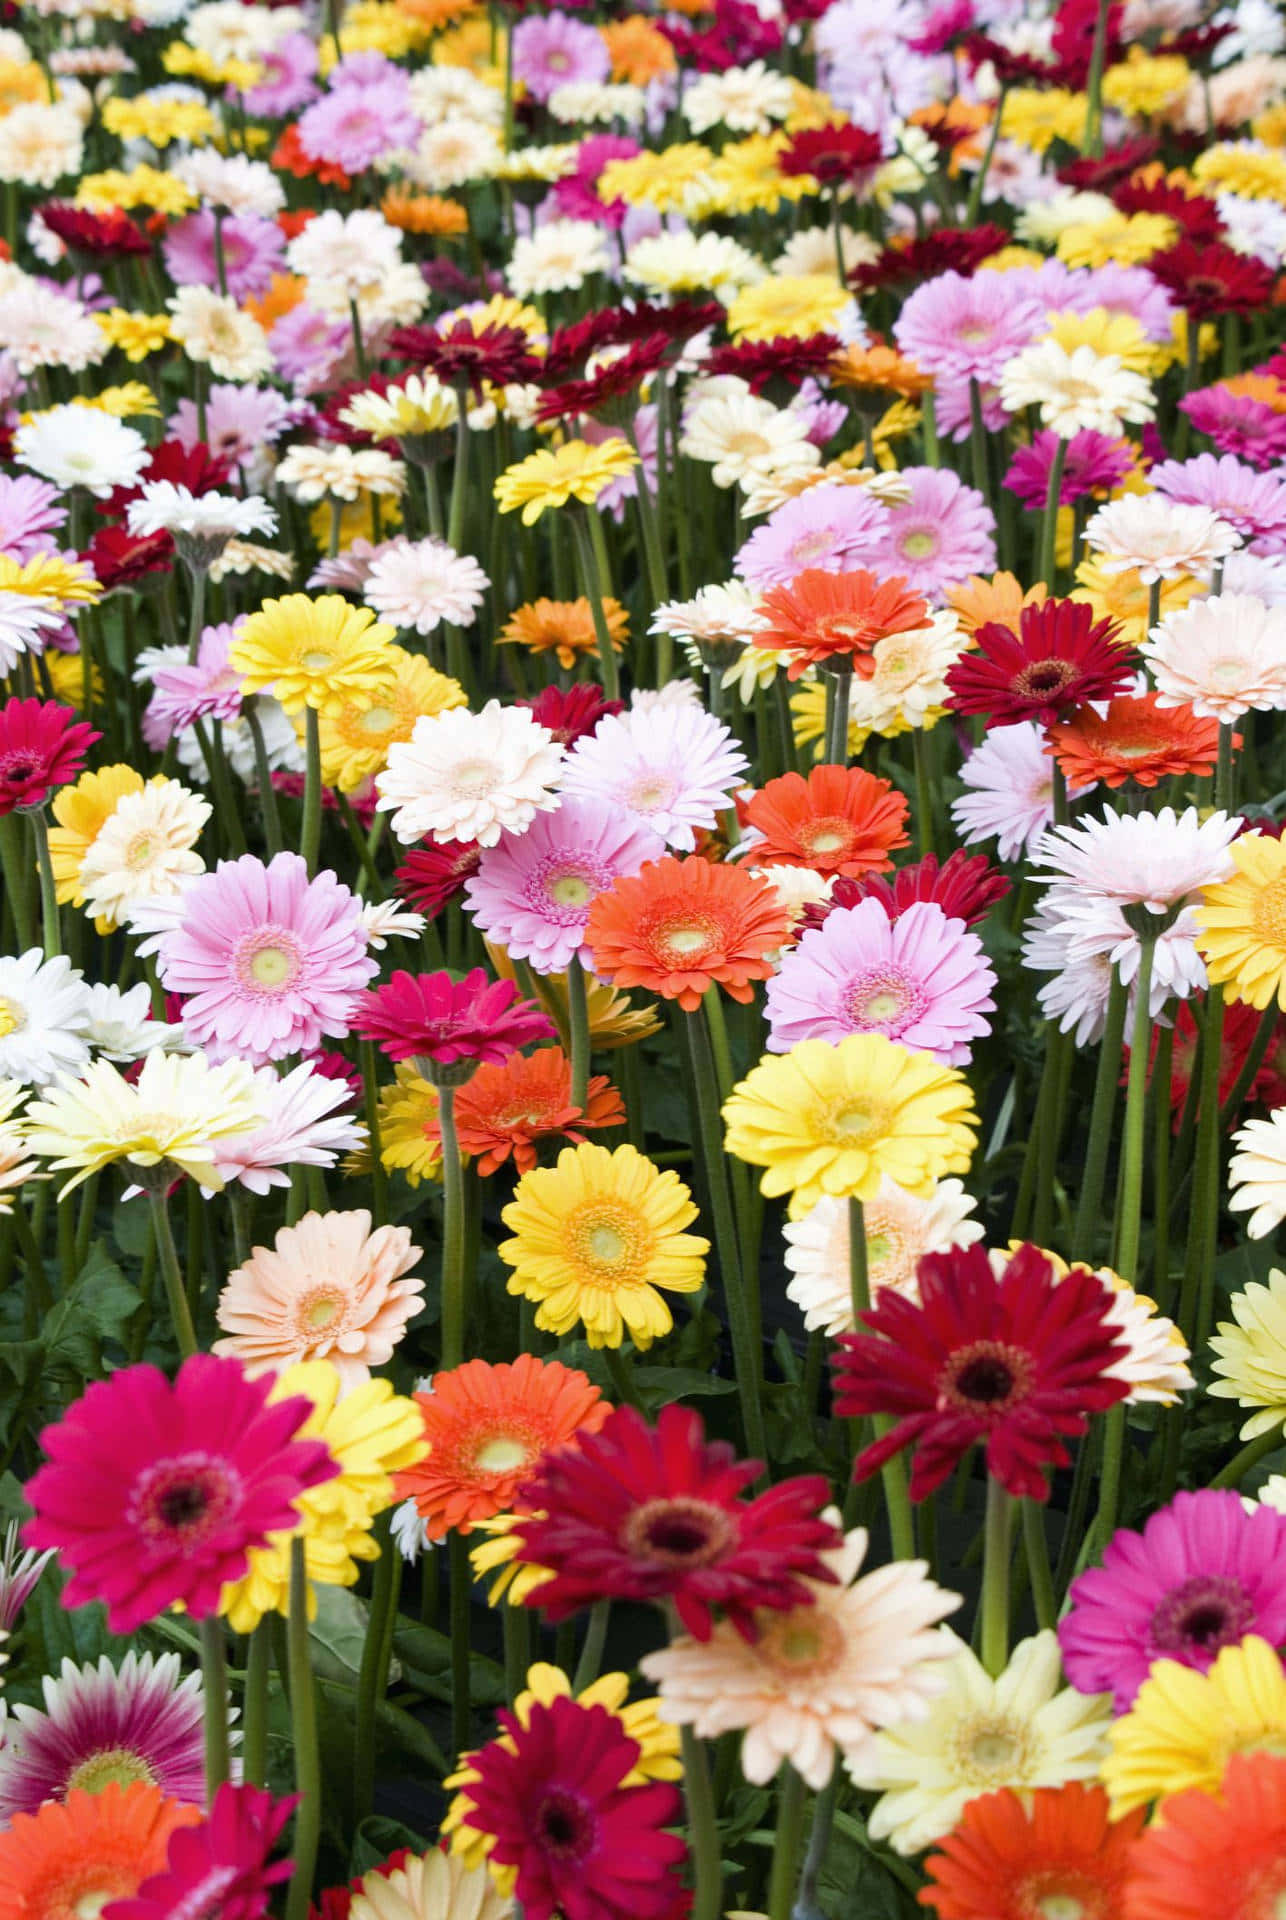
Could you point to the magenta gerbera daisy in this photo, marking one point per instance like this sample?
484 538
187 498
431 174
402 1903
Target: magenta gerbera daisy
42 746
220 1867
430 1016
921 979
155 1491
965 885
268 961
656 1513
938 537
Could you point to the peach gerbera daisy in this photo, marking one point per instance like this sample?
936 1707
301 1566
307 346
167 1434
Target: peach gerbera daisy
328 1289
564 628
980 602
678 926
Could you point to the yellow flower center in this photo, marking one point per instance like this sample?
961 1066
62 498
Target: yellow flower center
856 1123
991 1751
377 720
139 850
1268 916
685 940
473 777
609 1243
828 841
322 1310
271 966
572 890
111 1765
650 793
501 1454
12 1018
89 1905
316 659
918 546
606 1245
805 1642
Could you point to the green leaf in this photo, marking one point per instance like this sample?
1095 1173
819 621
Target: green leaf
425 1655
377 1838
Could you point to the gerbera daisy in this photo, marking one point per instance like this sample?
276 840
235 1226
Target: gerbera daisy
836 1119
510 1105
1048 1852
270 961
42 747
1185 1726
410 1139
224 1859
432 876
834 526
1059 658
144 851
1257 1173
1254 503
1200 1576
817 1679
1159 538
966 887
1223 656
921 979
139 1722
838 820
430 1017
78 1856
939 536
564 628
641 1513
304 1125
672 767
155 1491
1014 1360
835 619
44 1018
470 776
489 1428
597 1238
1093 464
1134 738
430 1886
311 653
1250 1354
419 584
1243 922
1216 1852
327 1289
1155 860
900 1229
357 734
1009 782
553 477
678 927
1076 391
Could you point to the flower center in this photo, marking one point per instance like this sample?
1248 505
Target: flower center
13 1018
1200 1616
803 1643
501 1454
810 547
316 659
990 1752
1063 1896
474 777
268 961
684 940
180 1503
1268 916
571 890
857 1123
377 720
565 1825
650 793
679 1532
139 851
831 834
985 1379
919 545
605 1239
321 1310
118 1766
1044 677
884 1000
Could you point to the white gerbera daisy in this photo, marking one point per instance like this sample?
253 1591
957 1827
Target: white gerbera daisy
1077 390
119 1026
1159 538
144 850
340 472
741 438
44 1017
691 263
420 584
303 1126
470 776
81 447
232 181
723 615
900 1230
1257 1173
42 327
557 257
453 152
348 250
669 763
214 332
1222 656
1154 860
201 524
40 144
743 99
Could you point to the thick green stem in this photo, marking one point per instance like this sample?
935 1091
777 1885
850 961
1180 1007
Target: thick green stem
461 1705
591 1653
591 558
214 1681
372 1679
578 1025
923 791
310 831
703 1830
1049 526
974 207
196 618
1036 1547
1129 1217
303 1728
272 834
792 1802
254 1716
1197 1302
17 880
995 1578
897 1499
459 471
453 1249
819 1841
1094 89
1099 1141
171 1274
49 925
1251 1454
838 682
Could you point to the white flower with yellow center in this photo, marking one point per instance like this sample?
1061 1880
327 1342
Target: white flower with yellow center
470 776
692 263
144 851
81 447
1158 538
44 1018
1077 390
900 1230
743 438
214 332
557 257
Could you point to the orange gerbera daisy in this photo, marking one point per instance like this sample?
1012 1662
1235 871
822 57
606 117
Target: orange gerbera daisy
1136 739
77 1854
288 156
415 212
489 1428
838 820
980 602
678 926
1052 1852
880 371
1217 1854
639 51
563 627
823 617
434 14
285 292
510 1105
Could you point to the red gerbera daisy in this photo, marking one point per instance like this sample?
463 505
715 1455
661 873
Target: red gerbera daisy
760 362
42 746
431 1017
552 1798
643 1513
121 559
833 155
488 1429
1135 739
614 380
1213 278
944 250
1054 1851
678 926
965 885
1117 163
1219 1853
1061 657
838 820
1193 212
221 1866
1013 1362
572 712
433 875
571 346
109 235
830 618
460 357
510 1105
194 467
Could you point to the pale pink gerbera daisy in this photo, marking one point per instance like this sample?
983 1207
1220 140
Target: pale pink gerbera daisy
1159 538
207 689
833 526
1010 779
819 1679
419 584
1221 656
268 960
470 776
938 537
1252 502
305 1126
327 1289
672 767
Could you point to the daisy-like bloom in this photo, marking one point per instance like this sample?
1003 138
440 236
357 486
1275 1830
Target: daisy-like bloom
434 1019
408 1126
200 525
564 628
1018 1730
966 887
1219 1849
81 447
411 410
470 776
1159 538
430 1886
742 438
1092 465
419 584
507 1107
154 1491
44 1018
338 472
1243 922
672 768
677 927
834 526
943 533
89 1852
831 619
1153 860
1059 658
269 962
225 1857
1257 1174
533 892
1078 391
920 979
556 257
960 329
1253 503
551 1795
818 1679
1133 738
311 653
214 332
489 1428
838 820
900 1229
1010 791
837 1119
174 1117
1046 1853
1185 1725
145 851
432 876
656 1513
597 1239
357 734
300 1128
141 1721
1222 656
554 476
327 1289
1199 1577
1250 1355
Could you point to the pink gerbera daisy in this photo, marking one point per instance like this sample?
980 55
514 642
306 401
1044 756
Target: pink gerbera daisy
252 250
208 689
356 124
832 526
155 1491
967 329
1252 502
431 1017
921 979
938 537
268 960
220 1866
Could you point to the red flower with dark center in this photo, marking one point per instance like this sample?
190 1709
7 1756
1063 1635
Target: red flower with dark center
759 362
571 346
552 1796
966 886
121 559
431 876
1240 1025
1101 175
1060 658
42 746
1197 216
460 357
221 1866
655 1513
430 1016
946 249
834 156
572 712
613 381
110 235
1211 278
1011 68
1012 1362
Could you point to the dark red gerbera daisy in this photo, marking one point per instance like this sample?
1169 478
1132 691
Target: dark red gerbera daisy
760 362
1211 278
551 1795
1010 68
571 346
1101 175
431 876
1196 44
449 1023
572 712
109 235
1061 657
945 250
220 1866
1192 212
1013 1362
1093 463
834 156
194 467
965 885
1241 1024
460 357
643 1513
121 559
615 380
42 746
1072 41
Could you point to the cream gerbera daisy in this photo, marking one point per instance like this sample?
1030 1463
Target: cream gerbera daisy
900 1230
1250 1355
470 776
144 851
1077 390
430 1886
1257 1173
1159 538
213 331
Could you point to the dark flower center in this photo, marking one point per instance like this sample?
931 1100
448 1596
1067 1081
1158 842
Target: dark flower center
564 1825
1044 677
1203 1614
19 769
985 1379
182 1506
680 1533
179 1504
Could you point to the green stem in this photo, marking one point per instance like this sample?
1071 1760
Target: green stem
897 1499
995 1578
594 581
310 830
819 1841
214 1676
1254 1451
978 440
461 1705
838 682
17 880
196 617
578 1023
49 924
171 1275
263 775
1196 1303
1099 1140
1093 142
1038 1571
254 1718
923 791
460 471
1250 1066
1049 525
591 1653
1130 1204
1225 773
452 1233
303 1728
974 207
792 1801
703 1830
372 1678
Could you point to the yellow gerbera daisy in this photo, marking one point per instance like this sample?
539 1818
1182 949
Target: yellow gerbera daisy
574 471
312 653
495 1554
1243 923
136 334
140 187
1037 116
1118 333
414 409
81 812
1185 1726
595 1236
47 576
748 179
124 402
1122 597
825 1119
357 734
787 307
1250 1355
1126 238
1144 83
1256 173
676 180
157 118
